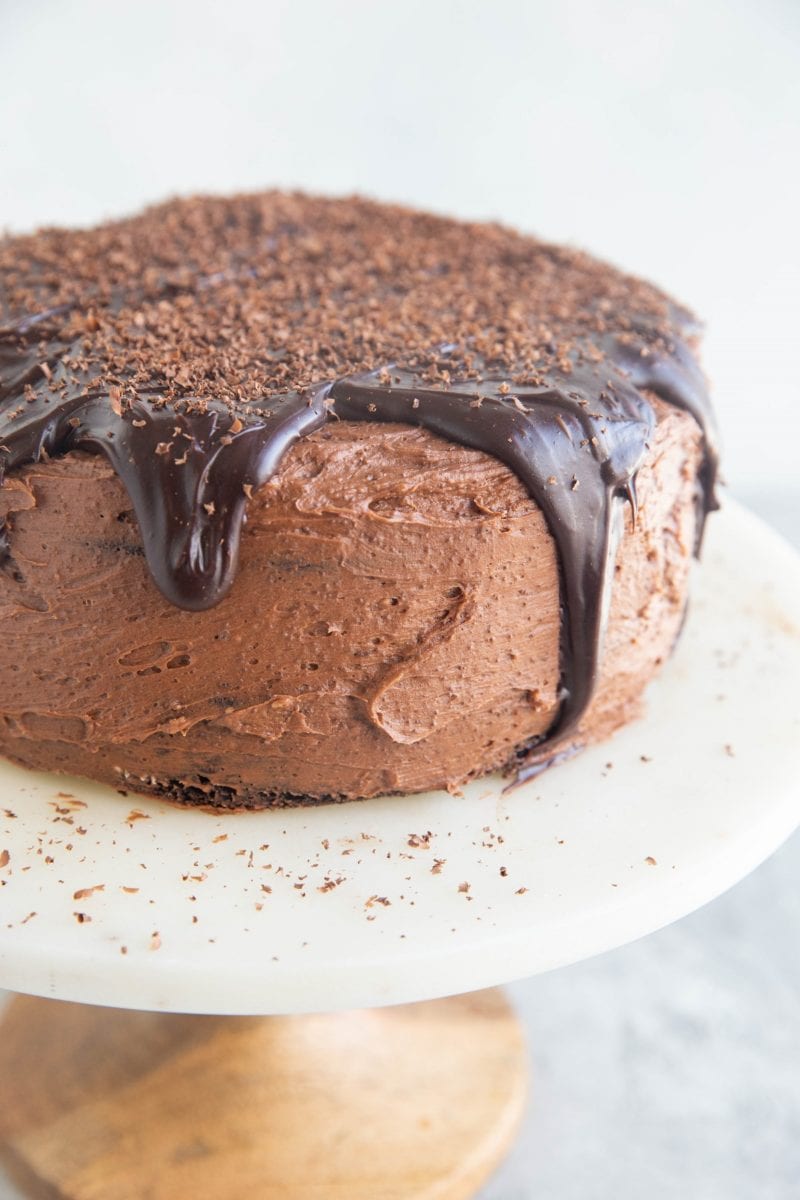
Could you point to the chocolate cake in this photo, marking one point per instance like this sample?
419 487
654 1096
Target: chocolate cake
310 499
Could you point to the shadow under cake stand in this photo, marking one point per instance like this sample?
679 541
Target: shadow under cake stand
341 918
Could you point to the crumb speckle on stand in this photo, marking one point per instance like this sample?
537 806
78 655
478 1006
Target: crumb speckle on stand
84 893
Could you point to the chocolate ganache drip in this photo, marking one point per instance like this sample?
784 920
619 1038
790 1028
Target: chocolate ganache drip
576 441
574 429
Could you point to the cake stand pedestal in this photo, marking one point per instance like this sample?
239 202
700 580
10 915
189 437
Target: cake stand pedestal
418 1102
368 914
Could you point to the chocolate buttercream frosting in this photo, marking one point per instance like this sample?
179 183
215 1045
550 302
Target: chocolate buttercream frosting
193 345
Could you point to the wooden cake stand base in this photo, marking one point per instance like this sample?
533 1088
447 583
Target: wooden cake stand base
417 1102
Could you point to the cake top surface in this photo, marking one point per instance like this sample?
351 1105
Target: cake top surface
242 299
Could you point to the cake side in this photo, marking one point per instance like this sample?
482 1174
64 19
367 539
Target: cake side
394 625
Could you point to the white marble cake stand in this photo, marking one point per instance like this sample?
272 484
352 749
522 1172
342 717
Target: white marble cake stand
133 903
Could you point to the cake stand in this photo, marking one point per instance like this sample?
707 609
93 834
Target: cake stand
348 915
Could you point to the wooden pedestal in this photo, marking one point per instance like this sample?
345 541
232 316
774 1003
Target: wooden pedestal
418 1102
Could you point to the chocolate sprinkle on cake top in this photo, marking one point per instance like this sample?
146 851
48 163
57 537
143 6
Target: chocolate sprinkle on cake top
193 344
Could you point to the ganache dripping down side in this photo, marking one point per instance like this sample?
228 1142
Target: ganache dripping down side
576 438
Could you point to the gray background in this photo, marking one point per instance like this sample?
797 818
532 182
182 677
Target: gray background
662 135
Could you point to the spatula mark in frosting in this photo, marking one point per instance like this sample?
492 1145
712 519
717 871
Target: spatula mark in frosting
576 438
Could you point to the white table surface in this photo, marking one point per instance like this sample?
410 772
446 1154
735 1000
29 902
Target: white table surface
669 1067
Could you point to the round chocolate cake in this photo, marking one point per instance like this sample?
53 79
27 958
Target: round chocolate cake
309 499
